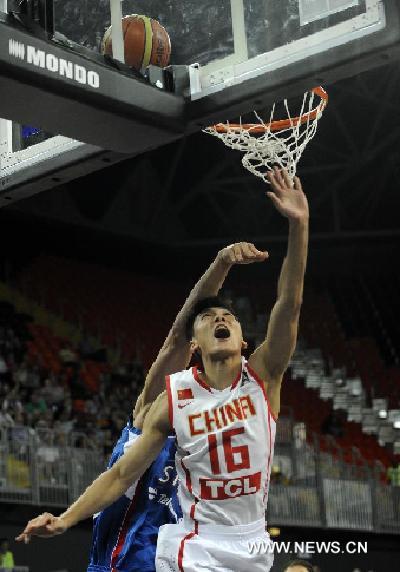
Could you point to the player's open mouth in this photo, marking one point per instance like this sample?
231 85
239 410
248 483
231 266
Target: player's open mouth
222 332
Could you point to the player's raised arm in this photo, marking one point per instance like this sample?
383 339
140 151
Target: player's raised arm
111 484
272 357
175 353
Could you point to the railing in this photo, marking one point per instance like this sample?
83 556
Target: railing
326 490
309 487
336 503
43 467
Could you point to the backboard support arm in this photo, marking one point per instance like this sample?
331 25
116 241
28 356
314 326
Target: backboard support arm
116 30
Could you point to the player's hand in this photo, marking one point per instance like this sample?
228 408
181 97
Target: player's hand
242 253
45 525
287 195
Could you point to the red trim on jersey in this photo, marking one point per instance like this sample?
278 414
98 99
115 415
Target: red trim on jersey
193 509
125 525
262 385
188 478
185 539
239 375
199 380
192 512
203 384
269 457
170 406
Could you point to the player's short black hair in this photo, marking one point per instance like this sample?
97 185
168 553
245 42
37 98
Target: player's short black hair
307 565
204 304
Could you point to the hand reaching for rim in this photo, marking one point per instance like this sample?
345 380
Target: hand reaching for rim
287 195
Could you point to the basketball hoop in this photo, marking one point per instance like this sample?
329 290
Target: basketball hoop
278 142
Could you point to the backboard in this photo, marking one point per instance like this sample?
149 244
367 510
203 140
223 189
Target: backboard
234 41
228 58
270 35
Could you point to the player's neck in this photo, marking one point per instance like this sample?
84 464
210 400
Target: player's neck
221 373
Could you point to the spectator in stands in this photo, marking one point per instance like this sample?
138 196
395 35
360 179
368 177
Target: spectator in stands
67 405
277 477
333 425
19 418
299 566
36 405
48 455
6 556
393 474
12 403
20 374
5 419
52 392
33 377
19 437
92 406
68 357
65 424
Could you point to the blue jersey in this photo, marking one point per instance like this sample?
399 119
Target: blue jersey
125 533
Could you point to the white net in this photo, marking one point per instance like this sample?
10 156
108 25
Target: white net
274 142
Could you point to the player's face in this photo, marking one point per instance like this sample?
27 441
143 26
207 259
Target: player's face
217 333
296 569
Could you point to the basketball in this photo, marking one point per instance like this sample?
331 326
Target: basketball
145 41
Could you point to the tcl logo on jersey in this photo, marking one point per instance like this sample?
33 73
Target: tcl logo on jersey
223 489
209 421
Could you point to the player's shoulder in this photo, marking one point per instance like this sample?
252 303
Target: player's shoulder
181 378
184 374
181 383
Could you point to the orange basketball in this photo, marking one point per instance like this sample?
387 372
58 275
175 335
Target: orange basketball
145 41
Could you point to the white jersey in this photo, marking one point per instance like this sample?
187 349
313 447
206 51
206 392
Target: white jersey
225 441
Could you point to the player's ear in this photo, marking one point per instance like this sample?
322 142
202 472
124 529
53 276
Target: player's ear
245 345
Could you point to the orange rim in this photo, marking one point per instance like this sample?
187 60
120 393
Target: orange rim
281 124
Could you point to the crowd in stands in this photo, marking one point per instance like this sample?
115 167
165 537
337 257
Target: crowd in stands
32 395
